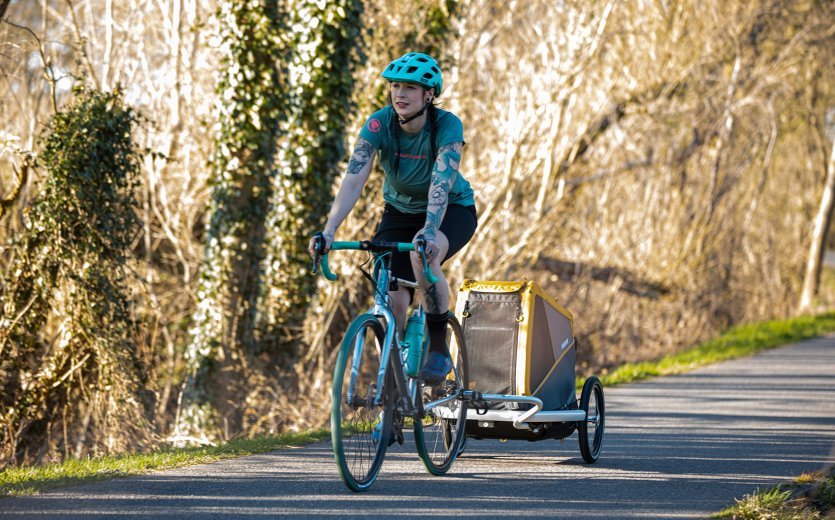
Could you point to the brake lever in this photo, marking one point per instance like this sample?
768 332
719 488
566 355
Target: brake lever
431 279
318 245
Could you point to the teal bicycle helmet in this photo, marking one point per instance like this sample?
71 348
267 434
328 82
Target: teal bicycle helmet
416 67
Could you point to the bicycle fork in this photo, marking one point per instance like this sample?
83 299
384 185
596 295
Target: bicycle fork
387 362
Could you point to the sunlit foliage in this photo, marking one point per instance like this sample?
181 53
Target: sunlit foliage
69 370
284 97
327 48
656 166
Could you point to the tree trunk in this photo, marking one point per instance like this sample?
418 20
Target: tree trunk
308 159
242 183
811 279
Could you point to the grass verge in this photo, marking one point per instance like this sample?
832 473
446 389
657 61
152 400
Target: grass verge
31 480
737 342
811 496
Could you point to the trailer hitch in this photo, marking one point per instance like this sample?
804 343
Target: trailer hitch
476 400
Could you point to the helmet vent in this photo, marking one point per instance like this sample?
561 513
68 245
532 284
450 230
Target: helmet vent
411 70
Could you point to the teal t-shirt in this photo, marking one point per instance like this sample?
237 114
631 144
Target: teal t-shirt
407 189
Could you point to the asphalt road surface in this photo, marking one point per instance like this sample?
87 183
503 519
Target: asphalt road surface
675 447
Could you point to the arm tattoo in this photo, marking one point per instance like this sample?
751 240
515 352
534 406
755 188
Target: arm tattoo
444 174
363 152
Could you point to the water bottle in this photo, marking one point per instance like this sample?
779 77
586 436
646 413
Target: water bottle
413 341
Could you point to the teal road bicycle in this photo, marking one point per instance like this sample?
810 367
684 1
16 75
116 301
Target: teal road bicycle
377 392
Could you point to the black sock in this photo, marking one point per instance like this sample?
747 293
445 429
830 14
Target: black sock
436 323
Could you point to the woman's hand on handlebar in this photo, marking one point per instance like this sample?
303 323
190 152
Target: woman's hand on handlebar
323 241
431 248
422 245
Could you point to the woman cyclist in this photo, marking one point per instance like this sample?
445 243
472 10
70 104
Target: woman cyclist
419 146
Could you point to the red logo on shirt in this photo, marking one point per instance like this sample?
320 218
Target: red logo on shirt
411 156
374 125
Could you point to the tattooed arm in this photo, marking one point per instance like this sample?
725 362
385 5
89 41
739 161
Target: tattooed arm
352 184
359 167
444 174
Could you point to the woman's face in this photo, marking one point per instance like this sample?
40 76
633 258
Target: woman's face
408 98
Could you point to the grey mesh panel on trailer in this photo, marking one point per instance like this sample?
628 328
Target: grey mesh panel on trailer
491 332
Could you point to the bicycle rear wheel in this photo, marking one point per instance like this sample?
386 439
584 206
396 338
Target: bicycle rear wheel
360 422
440 427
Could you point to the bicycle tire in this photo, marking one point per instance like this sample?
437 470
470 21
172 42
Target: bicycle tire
439 433
359 455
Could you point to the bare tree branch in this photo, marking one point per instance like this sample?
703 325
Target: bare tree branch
48 70
82 43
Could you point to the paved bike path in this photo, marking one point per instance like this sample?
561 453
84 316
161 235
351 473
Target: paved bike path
675 447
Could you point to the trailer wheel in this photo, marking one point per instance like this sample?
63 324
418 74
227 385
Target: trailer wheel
591 429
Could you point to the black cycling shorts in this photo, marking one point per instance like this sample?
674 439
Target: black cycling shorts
458 226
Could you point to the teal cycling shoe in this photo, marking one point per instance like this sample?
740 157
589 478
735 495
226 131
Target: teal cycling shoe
438 365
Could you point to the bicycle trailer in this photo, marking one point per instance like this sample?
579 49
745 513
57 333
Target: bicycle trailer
521 355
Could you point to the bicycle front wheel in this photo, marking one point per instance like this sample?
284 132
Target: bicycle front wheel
440 427
361 413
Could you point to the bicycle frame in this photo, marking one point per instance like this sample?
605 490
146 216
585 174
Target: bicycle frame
382 309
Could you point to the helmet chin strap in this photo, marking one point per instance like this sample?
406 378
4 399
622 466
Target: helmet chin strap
415 115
